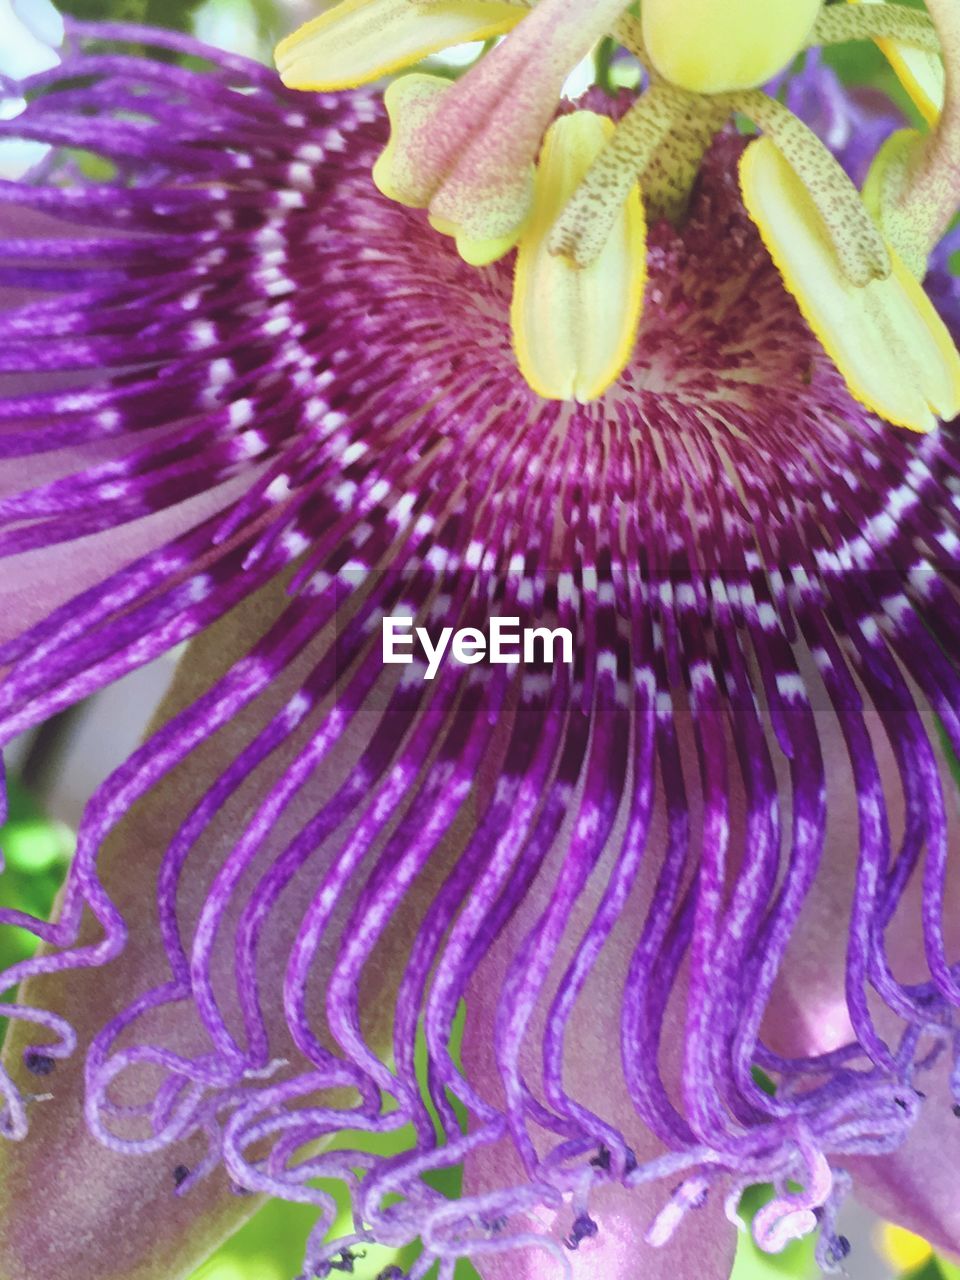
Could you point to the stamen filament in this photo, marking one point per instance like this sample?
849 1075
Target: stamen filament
669 178
584 226
857 240
887 180
842 23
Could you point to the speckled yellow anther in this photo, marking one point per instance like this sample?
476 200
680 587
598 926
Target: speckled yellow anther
574 328
893 350
715 46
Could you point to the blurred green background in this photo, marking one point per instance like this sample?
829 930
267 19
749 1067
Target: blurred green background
37 850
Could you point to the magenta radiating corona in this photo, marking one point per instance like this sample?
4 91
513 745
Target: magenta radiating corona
691 891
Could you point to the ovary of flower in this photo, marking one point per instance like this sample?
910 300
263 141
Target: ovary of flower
361 40
713 46
885 337
574 328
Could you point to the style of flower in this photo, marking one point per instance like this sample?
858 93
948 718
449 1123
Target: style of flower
620 938
466 152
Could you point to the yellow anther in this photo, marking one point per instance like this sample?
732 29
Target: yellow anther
885 337
921 73
361 40
857 242
883 191
714 46
574 328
